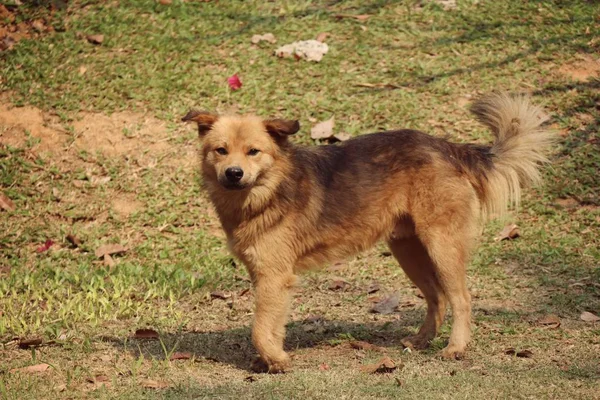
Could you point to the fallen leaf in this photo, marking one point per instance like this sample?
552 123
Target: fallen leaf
32 368
28 343
180 356
387 305
250 378
385 365
360 345
521 354
267 37
322 36
217 294
373 288
342 136
323 130
525 354
234 82
38 25
361 17
82 70
552 321
338 284
447 4
310 50
6 203
243 292
145 334
510 231
165 2
324 367
109 261
109 249
47 244
99 180
75 242
152 384
589 317
378 85
95 39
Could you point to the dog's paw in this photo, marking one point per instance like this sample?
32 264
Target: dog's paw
272 367
415 342
453 353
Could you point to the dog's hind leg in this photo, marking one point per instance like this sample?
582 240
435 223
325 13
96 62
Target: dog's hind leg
448 247
416 263
273 293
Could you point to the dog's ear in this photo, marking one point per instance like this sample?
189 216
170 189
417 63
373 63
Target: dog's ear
281 127
205 120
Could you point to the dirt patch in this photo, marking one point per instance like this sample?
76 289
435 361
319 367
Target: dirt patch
137 137
586 68
126 205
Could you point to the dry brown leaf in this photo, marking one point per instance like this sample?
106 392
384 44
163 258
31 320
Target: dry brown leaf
321 37
324 367
551 321
82 70
589 317
28 343
373 288
361 17
180 356
109 261
38 25
323 130
338 284
342 136
217 294
385 365
152 384
360 345
521 354
6 203
109 249
525 354
74 240
267 37
510 231
145 334
32 368
378 85
95 39
165 2
387 305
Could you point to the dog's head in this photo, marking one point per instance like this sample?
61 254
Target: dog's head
239 150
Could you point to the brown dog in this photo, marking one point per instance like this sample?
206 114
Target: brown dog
424 195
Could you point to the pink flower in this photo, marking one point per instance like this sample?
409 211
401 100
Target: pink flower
45 246
234 82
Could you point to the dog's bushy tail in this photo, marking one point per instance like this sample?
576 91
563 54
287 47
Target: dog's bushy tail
521 145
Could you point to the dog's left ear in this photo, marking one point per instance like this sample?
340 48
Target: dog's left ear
281 127
205 120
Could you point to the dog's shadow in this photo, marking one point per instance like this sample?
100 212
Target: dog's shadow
234 346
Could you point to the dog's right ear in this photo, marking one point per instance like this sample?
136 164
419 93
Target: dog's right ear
205 120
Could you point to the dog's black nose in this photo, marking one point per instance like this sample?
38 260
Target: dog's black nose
234 174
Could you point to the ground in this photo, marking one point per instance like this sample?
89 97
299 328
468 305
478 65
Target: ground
91 146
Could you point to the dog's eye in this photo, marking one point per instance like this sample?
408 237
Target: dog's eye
253 152
222 151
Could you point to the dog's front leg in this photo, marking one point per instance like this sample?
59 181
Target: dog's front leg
273 293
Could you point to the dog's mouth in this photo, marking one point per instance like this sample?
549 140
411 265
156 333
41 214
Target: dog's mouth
234 185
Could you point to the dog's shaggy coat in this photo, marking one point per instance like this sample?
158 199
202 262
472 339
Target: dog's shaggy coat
292 208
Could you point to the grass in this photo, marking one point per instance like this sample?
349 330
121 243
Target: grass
155 62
